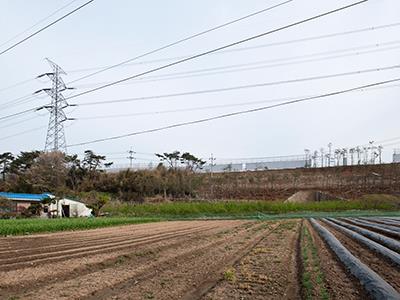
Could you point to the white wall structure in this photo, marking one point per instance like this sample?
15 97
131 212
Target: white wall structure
70 208
396 156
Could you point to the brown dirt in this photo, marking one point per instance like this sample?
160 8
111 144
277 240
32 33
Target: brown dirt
267 272
174 260
162 260
338 282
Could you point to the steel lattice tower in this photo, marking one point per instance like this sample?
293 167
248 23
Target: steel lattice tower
55 138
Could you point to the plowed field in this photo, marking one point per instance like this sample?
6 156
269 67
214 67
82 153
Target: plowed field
286 259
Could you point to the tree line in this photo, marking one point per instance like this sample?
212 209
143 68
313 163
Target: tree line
68 175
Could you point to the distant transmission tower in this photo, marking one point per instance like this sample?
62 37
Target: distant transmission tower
55 138
131 157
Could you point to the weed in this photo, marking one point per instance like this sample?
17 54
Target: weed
241 208
230 275
148 295
311 267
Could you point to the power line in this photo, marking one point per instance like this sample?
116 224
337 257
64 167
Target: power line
22 133
37 23
19 122
246 66
312 38
183 40
237 113
17 84
171 76
218 89
44 28
318 37
240 87
205 107
219 48
15 101
116 153
29 97
19 113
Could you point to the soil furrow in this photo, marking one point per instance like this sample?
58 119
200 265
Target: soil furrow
32 246
202 266
83 248
377 263
39 276
126 268
340 284
269 271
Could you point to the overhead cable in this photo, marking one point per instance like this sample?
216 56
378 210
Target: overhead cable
322 96
45 27
220 48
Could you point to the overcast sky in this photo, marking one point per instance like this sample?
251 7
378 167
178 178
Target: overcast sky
108 32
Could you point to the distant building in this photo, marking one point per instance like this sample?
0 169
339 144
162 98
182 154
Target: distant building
23 201
68 208
396 156
259 164
59 208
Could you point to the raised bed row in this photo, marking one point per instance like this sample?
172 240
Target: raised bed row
385 246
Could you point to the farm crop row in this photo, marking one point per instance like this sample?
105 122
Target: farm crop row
29 226
369 249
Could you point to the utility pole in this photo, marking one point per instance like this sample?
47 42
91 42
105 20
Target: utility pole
322 157
344 153
337 157
330 154
373 152
55 138
131 157
314 158
212 164
308 161
366 149
358 150
380 147
351 151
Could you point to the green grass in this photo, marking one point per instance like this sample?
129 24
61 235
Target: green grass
29 226
314 267
123 213
242 209
230 274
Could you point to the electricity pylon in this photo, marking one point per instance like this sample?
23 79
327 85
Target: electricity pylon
55 138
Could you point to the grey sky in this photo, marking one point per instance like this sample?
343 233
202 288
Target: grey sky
108 32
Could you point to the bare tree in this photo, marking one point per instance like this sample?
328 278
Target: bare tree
49 171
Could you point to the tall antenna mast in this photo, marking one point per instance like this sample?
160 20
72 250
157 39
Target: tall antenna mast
55 138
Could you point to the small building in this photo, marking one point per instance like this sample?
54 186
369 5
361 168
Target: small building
68 208
22 201
58 208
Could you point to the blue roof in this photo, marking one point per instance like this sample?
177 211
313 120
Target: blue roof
25 197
